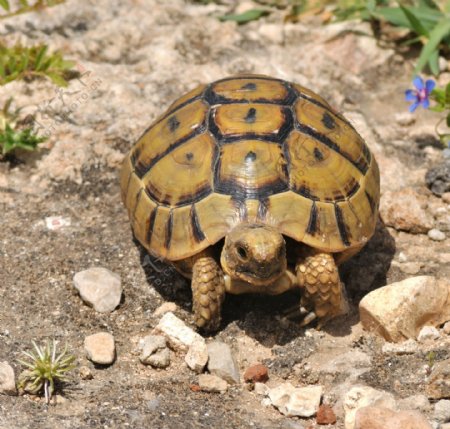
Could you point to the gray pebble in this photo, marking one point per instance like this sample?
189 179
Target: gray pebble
436 235
222 363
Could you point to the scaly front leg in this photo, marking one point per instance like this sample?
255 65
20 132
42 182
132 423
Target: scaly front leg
318 278
208 293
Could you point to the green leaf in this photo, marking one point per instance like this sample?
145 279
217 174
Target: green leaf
433 62
447 94
428 3
436 35
448 120
5 4
428 17
40 57
57 79
414 21
243 18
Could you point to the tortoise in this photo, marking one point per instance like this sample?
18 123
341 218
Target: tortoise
252 184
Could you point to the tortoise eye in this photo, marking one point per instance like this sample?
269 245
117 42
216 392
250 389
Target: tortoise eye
242 253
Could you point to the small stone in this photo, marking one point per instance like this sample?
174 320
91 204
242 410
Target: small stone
100 348
404 348
99 287
442 411
436 235
363 396
446 197
212 383
222 363
154 351
415 402
428 333
405 118
384 418
437 177
85 373
53 223
292 401
7 379
411 268
325 415
165 308
197 356
439 381
256 373
446 328
398 311
195 388
272 32
261 389
180 336
403 210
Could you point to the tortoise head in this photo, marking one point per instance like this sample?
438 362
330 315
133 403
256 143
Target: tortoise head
254 253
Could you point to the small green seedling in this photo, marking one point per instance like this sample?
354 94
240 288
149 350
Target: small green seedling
12 135
25 6
44 368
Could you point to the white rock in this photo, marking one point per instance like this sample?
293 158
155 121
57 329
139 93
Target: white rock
446 328
436 235
363 396
404 348
212 383
272 32
7 380
154 351
165 308
442 411
179 335
222 363
300 401
100 348
398 311
428 333
53 223
404 118
261 389
99 287
197 356
415 402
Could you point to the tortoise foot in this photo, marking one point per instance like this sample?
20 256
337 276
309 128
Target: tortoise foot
318 277
208 293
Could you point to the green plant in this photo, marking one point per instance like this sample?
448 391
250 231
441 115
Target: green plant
13 135
427 20
441 96
26 6
20 62
44 368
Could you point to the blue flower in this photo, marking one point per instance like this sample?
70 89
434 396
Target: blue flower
420 95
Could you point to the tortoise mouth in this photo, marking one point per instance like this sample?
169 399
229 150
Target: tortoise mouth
259 279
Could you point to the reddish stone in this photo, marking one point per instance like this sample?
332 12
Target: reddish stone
325 415
257 373
195 387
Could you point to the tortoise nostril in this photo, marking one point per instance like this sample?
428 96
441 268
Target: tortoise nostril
242 252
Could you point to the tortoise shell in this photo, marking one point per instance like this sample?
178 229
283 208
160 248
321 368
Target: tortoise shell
250 149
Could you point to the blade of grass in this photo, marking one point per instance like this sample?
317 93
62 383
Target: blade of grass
243 18
414 21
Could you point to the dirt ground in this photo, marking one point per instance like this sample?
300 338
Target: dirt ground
135 58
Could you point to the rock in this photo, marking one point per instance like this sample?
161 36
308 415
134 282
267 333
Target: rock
444 426
383 418
403 210
154 351
405 348
428 333
436 235
272 32
179 335
292 401
212 383
85 373
446 328
333 362
404 118
415 402
442 411
325 415
398 311
363 396
165 308
446 197
439 381
197 356
100 348
437 178
7 379
53 223
99 287
257 373
261 389
222 363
